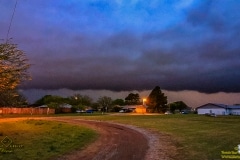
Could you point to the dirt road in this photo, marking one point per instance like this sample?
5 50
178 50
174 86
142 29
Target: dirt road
116 142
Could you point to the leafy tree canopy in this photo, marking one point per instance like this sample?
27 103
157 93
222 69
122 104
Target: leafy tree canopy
132 99
13 71
13 67
179 105
157 101
105 102
49 99
79 99
12 98
119 102
76 100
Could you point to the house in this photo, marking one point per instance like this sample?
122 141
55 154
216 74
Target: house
135 108
65 108
219 109
64 105
140 109
42 106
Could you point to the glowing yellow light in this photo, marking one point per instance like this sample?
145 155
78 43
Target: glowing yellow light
144 100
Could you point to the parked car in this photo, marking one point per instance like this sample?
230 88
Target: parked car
167 112
184 112
89 111
80 111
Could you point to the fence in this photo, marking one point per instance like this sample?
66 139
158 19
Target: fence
31 111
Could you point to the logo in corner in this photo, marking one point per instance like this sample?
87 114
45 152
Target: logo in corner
6 141
238 148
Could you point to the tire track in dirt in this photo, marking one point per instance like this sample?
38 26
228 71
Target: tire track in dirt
115 142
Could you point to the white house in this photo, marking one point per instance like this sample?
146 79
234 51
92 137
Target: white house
219 109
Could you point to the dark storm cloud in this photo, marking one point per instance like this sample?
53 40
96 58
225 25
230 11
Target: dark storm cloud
123 46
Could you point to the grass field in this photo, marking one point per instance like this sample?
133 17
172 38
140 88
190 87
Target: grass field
39 139
196 137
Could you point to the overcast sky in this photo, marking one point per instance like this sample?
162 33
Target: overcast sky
125 45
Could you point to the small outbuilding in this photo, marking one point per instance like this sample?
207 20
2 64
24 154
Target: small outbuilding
135 108
141 109
65 108
219 109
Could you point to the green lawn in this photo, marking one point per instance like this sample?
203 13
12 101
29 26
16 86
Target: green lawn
40 139
196 137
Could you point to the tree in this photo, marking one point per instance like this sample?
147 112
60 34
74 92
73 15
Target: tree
132 99
12 98
180 105
79 102
172 107
79 99
157 101
105 102
13 66
54 101
96 106
119 102
13 71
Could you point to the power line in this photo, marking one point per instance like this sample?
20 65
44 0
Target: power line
11 21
